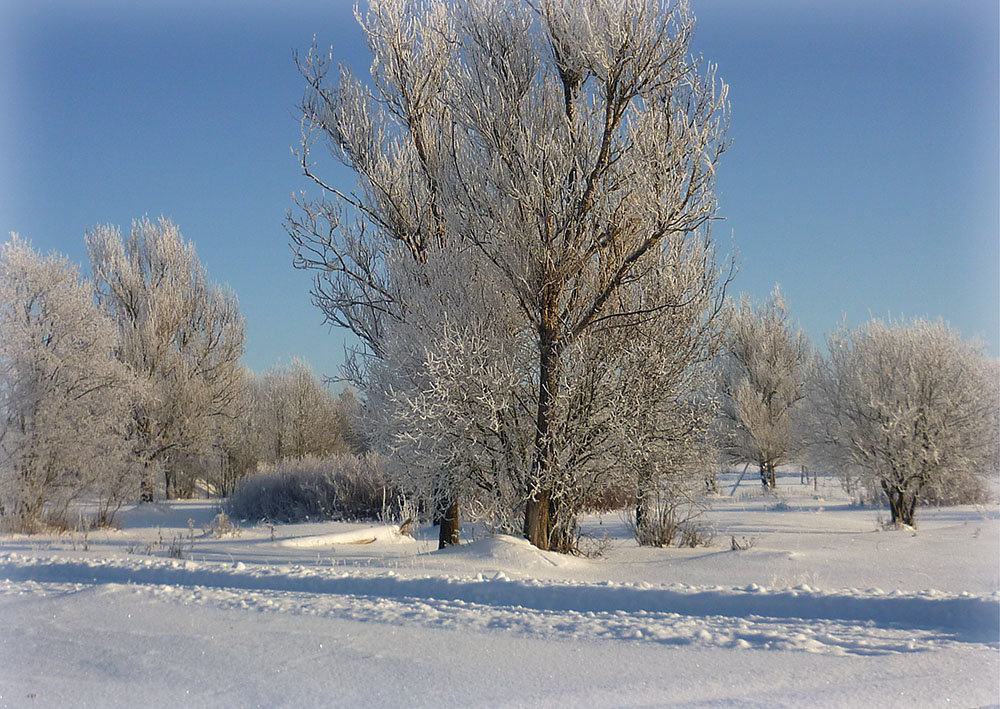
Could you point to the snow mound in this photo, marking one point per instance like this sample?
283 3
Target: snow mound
366 535
507 551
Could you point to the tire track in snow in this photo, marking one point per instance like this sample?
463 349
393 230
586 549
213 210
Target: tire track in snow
814 636
803 619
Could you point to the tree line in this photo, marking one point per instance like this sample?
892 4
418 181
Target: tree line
128 385
526 261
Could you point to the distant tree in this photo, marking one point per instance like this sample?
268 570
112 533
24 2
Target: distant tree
567 151
298 416
237 445
350 407
63 396
912 409
180 335
762 377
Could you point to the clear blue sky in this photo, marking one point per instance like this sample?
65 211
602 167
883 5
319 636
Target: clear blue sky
863 175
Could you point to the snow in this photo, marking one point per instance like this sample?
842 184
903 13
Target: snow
364 535
826 609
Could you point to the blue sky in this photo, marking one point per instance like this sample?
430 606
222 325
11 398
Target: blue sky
863 175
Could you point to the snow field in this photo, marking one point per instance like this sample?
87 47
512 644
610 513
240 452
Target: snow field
799 618
824 611
116 648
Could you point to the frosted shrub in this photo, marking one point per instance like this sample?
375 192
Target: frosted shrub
341 486
609 498
961 490
911 412
657 528
221 526
665 518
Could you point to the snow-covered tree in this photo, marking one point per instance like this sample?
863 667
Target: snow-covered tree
180 335
237 446
297 416
566 150
63 396
663 410
761 380
909 408
450 396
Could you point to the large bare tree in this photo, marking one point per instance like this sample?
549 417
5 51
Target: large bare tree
179 333
569 144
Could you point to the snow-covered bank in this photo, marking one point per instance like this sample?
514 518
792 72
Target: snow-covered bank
364 535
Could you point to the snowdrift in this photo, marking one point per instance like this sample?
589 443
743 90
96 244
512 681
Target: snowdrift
365 535
503 551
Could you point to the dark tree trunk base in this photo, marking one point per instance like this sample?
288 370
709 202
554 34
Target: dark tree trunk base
537 522
146 489
768 478
448 534
902 506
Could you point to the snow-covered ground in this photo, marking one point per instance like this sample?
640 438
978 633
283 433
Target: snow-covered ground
825 609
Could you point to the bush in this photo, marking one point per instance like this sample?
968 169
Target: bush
657 528
696 535
609 498
669 519
221 526
53 521
961 490
341 486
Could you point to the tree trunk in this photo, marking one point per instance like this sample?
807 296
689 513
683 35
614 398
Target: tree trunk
643 499
537 523
439 503
538 510
711 484
562 529
767 477
902 505
640 511
448 535
147 486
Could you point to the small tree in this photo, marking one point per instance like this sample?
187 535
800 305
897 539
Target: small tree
179 334
762 375
63 396
911 408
